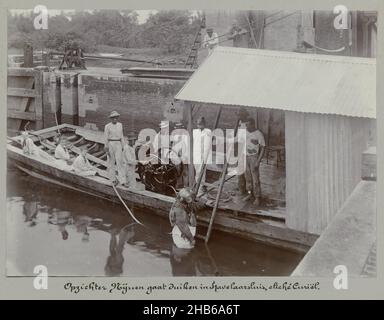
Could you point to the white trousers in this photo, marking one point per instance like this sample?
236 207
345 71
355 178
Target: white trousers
115 161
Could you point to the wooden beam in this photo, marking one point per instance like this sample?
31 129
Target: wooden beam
39 100
24 115
21 92
21 72
218 114
191 169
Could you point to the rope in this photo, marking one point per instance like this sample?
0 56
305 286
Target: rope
126 207
174 190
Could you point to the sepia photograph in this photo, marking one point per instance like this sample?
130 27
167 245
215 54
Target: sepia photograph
195 143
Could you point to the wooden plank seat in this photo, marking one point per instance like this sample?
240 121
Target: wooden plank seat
72 138
77 142
99 154
92 147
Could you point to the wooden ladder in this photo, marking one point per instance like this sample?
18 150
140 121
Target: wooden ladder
192 57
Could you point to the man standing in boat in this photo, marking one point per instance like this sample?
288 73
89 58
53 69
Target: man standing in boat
129 162
114 144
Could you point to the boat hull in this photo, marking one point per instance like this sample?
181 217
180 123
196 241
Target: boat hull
255 228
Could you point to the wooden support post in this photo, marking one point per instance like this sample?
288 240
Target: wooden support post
28 56
58 99
218 114
251 31
216 205
268 127
191 169
39 100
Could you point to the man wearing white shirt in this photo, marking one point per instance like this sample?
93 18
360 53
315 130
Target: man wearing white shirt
113 146
211 40
202 151
129 161
160 142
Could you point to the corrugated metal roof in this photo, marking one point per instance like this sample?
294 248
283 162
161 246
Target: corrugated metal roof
286 81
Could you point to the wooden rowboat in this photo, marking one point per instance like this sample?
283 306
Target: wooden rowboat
259 225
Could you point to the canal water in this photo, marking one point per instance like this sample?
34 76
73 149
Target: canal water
76 234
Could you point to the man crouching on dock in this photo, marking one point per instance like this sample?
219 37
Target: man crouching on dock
113 146
183 220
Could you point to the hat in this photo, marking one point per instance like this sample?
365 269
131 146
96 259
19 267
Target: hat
164 124
114 114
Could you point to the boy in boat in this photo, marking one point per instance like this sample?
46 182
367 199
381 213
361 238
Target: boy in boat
183 220
61 152
81 165
29 147
129 162
113 146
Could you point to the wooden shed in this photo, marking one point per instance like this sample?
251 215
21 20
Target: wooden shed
329 106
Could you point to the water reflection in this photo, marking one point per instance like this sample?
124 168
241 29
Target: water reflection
119 236
77 234
30 210
183 262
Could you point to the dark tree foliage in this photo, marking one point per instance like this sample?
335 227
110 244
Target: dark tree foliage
171 31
